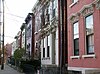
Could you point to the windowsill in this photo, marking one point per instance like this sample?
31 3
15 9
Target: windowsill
73 4
74 57
47 58
89 56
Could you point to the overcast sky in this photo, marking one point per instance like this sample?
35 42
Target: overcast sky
15 14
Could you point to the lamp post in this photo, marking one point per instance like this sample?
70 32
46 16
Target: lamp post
2 65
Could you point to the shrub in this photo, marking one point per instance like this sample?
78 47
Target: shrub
30 65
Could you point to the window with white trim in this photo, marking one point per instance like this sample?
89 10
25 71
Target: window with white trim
43 17
47 15
48 46
43 48
89 34
53 8
76 38
74 1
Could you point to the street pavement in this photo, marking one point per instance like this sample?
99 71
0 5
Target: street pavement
9 70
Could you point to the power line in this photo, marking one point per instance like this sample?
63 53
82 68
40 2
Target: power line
14 15
13 19
8 36
11 13
6 5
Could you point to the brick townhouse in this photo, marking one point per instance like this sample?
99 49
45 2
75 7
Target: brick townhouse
83 36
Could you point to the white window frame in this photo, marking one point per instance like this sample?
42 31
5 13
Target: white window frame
89 33
73 3
76 36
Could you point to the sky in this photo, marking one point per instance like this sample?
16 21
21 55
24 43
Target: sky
15 14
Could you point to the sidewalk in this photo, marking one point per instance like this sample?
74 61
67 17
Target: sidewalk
9 70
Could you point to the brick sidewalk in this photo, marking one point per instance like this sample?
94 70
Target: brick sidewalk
9 70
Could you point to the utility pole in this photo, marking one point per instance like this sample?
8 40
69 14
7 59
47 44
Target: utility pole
0 31
2 65
65 60
63 36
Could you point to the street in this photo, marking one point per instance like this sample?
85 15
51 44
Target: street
9 70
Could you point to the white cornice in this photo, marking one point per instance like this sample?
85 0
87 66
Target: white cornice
74 17
87 9
97 3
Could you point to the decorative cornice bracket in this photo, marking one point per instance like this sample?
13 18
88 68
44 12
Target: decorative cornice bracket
74 17
86 10
97 3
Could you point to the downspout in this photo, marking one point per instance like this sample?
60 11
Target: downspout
62 36
65 37
60 25
59 41
33 36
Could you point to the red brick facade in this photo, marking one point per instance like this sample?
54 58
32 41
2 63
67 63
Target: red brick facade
77 12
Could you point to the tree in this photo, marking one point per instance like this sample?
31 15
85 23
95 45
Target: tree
18 54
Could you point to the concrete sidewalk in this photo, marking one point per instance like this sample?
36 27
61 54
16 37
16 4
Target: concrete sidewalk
9 70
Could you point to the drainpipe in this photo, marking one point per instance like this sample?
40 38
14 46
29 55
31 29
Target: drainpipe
33 36
60 33
59 41
65 63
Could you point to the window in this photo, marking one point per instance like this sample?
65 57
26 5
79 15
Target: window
90 44
53 10
53 14
74 1
47 15
89 24
76 38
36 26
42 18
43 52
89 34
36 45
28 46
43 49
29 30
48 47
76 46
